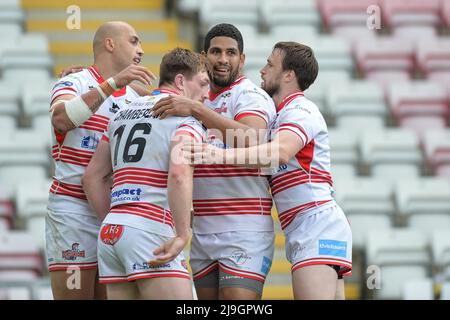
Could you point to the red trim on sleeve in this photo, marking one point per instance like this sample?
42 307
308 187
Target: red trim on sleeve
187 133
105 138
244 114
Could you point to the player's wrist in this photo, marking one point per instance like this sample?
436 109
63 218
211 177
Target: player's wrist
106 88
196 109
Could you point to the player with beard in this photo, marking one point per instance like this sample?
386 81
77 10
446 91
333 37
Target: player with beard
233 235
318 236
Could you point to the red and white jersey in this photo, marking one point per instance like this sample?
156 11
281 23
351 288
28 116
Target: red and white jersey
140 156
73 150
305 182
230 198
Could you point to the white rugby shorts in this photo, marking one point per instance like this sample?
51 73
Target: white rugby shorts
320 237
124 253
71 240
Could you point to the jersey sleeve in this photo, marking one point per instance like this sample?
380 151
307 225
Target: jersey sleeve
66 85
299 121
193 128
252 102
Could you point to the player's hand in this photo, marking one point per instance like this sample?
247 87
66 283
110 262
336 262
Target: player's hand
203 153
133 73
70 69
173 106
168 251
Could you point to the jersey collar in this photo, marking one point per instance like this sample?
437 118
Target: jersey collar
168 91
213 96
288 99
94 72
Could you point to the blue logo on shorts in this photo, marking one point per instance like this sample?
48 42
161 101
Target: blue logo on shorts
333 248
266 264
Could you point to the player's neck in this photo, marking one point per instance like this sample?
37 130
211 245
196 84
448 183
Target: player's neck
170 88
105 69
283 93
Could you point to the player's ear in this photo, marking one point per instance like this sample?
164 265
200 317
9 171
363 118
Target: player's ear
179 81
109 44
241 60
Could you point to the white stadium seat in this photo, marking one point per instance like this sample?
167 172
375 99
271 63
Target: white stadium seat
421 289
343 144
275 13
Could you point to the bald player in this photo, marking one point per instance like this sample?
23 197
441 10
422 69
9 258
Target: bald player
81 106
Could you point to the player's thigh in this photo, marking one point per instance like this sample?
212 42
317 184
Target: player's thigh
230 293
73 284
340 289
165 289
122 291
316 282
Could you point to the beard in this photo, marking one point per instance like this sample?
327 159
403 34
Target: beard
224 82
271 90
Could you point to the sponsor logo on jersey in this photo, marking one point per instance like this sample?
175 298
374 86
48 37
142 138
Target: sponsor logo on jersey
226 95
74 253
333 248
90 142
126 195
114 108
127 101
63 84
223 108
184 264
254 91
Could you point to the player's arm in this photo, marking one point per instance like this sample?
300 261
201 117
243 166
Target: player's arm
179 189
182 106
96 180
70 111
279 151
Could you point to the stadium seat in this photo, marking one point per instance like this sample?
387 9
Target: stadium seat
30 51
344 145
433 55
389 146
415 33
36 99
356 98
385 77
283 31
384 54
440 246
411 12
32 198
401 254
344 12
13 175
395 172
25 146
426 194
18 275
445 291
10 32
41 290
11 11
19 252
367 203
421 289
359 123
445 8
418 98
353 34
343 171
275 13
421 125
42 125
8 124
18 76
429 222
9 99
213 12
15 293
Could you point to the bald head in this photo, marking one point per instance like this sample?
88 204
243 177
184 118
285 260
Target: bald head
112 30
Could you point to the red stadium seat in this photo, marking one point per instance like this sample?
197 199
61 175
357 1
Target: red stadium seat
422 124
418 98
445 9
344 12
436 145
433 56
385 54
411 12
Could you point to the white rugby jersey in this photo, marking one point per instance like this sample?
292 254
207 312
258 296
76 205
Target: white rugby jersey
230 198
73 150
140 156
305 182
